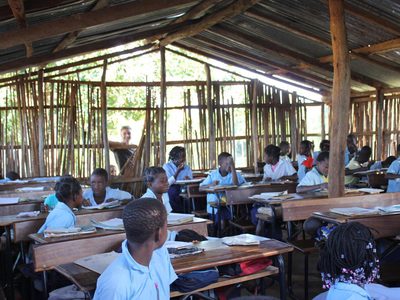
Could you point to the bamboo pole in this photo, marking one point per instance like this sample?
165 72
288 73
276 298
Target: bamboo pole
254 132
211 128
163 102
42 167
104 117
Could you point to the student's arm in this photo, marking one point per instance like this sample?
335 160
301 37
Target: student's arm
392 176
351 172
310 188
118 145
207 183
235 180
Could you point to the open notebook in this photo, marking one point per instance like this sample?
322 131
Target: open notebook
355 211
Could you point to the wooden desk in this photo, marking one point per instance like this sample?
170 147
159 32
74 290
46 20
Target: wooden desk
382 226
31 202
50 252
12 186
215 254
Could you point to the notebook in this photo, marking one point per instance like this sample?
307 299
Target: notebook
9 200
175 218
245 239
354 211
111 204
111 224
98 262
60 232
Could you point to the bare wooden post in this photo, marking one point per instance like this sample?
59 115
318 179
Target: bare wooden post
340 97
254 131
42 167
323 120
148 128
163 100
103 93
379 131
211 125
293 126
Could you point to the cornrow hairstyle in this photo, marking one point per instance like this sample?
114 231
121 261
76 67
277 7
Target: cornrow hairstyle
349 256
176 152
222 156
272 150
67 188
100 172
322 156
151 173
142 218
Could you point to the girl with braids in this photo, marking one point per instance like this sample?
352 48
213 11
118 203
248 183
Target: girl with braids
349 265
69 194
177 169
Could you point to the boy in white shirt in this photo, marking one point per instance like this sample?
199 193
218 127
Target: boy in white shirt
317 178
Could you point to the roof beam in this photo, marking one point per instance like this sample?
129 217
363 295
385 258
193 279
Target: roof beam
227 12
18 10
81 21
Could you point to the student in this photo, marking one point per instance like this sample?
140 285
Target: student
349 264
317 178
156 181
324 146
100 192
276 168
351 148
358 164
304 159
69 194
144 269
382 164
177 169
285 151
123 150
10 176
225 175
393 174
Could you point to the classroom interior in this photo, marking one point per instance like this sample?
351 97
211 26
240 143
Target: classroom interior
291 71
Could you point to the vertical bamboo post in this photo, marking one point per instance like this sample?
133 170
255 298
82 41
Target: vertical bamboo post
340 97
323 120
211 125
148 128
254 126
162 115
379 131
103 93
42 168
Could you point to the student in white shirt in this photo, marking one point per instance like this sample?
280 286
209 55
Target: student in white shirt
100 192
303 158
285 151
144 270
156 181
393 174
358 164
276 168
324 146
317 178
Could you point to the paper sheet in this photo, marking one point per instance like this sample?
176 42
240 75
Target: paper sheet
177 244
99 262
111 224
245 239
31 189
175 218
9 200
186 181
354 211
104 205
371 190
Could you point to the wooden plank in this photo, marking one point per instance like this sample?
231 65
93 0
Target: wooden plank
41 125
254 133
163 104
340 98
103 91
212 151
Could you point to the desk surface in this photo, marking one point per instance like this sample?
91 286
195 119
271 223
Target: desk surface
215 254
245 186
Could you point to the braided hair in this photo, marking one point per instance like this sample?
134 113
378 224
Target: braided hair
176 152
349 255
142 218
67 188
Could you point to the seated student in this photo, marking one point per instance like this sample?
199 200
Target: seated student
156 181
351 148
317 178
176 169
393 174
10 176
349 265
276 168
69 194
100 192
358 164
304 159
285 151
144 269
225 175
382 164
324 146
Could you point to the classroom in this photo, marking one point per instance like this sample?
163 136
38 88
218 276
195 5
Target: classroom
199 149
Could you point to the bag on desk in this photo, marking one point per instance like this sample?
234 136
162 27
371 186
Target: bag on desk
194 280
188 235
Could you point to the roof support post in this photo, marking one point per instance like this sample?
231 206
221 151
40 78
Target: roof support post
103 94
162 116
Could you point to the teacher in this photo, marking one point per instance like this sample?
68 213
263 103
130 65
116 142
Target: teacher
123 150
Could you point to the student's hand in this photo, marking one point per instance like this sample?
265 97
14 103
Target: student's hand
214 183
86 202
231 162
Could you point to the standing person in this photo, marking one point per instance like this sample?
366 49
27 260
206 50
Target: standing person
304 159
177 169
123 150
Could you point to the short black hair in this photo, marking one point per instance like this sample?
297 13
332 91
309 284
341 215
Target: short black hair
398 147
100 172
67 188
150 174
366 150
12 175
142 218
388 161
176 152
283 143
222 156
307 144
324 143
322 156
272 150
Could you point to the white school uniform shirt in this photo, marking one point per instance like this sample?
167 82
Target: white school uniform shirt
60 217
223 180
285 157
347 291
165 198
313 177
394 184
126 279
115 194
283 168
302 170
170 168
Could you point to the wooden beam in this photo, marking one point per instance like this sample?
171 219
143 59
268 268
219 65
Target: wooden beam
71 37
41 125
212 150
103 95
163 104
81 21
18 10
379 124
227 12
340 98
254 127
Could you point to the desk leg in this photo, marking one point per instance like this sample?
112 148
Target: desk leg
289 230
45 294
282 279
9 265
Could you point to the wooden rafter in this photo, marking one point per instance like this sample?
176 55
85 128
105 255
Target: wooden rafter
227 12
81 21
18 10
